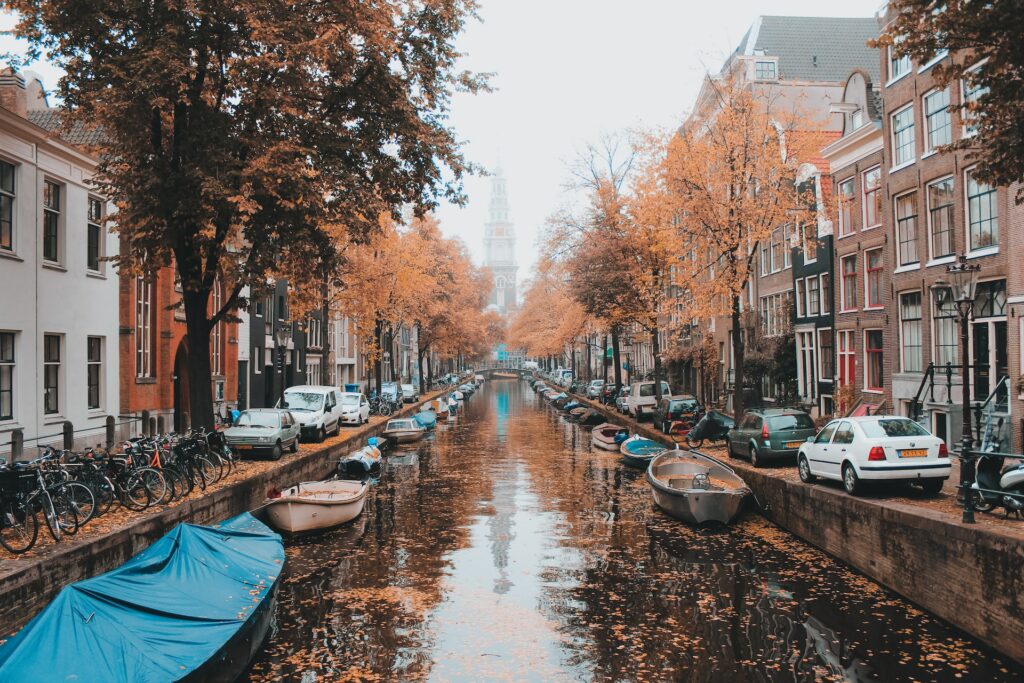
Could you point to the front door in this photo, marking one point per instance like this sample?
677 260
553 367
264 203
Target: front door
181 397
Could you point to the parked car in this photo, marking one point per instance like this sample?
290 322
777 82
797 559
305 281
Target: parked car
266 431
317 409
875 447
392 392
355 409
642 399
609 392
682 408
594 388
409 393
770 434
620 400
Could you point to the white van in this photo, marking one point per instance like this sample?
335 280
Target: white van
317 409
642 400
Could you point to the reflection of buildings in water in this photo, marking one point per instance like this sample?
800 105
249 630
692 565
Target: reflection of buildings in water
500 528
834 653
501 415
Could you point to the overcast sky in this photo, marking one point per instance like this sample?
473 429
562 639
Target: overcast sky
567 71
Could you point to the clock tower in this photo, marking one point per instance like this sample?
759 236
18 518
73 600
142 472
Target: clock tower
500 247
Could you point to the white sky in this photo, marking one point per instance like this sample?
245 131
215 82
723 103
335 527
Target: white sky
568 71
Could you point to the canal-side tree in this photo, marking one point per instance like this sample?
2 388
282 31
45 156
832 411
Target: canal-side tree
237 133
549 319
732 179
986 54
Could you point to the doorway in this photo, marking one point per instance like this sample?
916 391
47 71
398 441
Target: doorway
181 400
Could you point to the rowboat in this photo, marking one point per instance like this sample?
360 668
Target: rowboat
638 451
403 431
196 605
458 395
608 436
440 408
696 488
426 418
314 505
358 464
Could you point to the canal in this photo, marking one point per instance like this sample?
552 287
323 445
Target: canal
503 548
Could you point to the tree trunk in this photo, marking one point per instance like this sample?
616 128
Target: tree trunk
737 351
419 364
590 364
430 372
327 369
604 359
656 352
200 387
616 359
378 367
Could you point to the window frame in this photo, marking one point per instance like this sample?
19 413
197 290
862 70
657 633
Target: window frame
54 408
993 192
830 354
846 356
968 96
899 223
766 62
825 285
931 147
951 315
891 60
11 197
57 215
876 272
801 292
869 353
951 217
845 285
875 192
815 310
94 373
894 133
145 323
8 378
845 206
94 226
903 320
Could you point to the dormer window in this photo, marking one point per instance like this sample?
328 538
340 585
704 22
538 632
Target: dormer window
857 119
765 71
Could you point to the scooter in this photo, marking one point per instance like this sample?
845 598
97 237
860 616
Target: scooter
714 426
995 487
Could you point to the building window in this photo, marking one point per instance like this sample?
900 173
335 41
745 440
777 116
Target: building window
774 310
217 333
847 357
873 278
940 217
825 354
849 282
813 297
972 93
873 360
899 66
765 71
51 374
910 331
906 229
903 136
872 198
144 337
946 320
982 213
94 372
808 370
6 375
801 297
94 235
938 122
765 258
990 299
826 294
6 206
776 250
809 240
846 207
51 221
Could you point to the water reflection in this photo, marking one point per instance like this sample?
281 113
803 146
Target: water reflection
503 548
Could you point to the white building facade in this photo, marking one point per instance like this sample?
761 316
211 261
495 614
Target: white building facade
500 247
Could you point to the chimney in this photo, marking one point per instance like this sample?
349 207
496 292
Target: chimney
12 92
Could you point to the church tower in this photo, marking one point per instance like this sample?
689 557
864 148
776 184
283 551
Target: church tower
500 247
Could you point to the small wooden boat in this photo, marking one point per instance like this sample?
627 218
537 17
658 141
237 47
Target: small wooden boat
403 430
426 419
639 452
360 463
590 418
458 395
608 436
314 505
579 411
480 379
696 488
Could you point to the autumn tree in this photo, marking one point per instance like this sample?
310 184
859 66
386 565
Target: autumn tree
972 33
732 178
549 318
244 136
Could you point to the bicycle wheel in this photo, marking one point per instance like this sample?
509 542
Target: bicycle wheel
84 500
105 493
49 516
135 495
155 483
184 483
67 513
207 470
19 527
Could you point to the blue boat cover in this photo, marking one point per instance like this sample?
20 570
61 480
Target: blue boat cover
159 616
643 447
426 419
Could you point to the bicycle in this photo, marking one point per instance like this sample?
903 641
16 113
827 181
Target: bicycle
19 524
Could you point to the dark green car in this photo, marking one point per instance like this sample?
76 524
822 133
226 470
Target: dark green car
770 434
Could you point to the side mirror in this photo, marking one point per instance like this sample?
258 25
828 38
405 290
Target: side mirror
810 439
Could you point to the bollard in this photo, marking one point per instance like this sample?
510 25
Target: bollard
69 435
145 423
152 427
161 426
110 431
185 422
17 444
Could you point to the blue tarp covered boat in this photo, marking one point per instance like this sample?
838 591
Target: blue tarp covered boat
639 452
194 606
426 418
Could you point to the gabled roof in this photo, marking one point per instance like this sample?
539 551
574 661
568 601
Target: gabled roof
49 120
814 48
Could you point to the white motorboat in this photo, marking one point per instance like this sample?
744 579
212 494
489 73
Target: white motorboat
314 505
608 436
403 430
696 488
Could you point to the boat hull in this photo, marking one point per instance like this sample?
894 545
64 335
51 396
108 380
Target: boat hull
404 436
699 508
673 477
297 514
603 436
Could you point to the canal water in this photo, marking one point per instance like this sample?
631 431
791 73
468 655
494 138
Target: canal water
504 548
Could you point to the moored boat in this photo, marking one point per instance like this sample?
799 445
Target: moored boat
194 606
403 430
608 436
696 488
638 451
315 505
360 463
440 408
426 418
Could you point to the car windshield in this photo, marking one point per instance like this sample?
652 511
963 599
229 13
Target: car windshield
389 388
303 400
407 388
597 383
878 429
795 421
248 419
647 389
684 404
349 399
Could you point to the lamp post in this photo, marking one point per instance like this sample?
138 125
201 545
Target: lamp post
282 335
964 278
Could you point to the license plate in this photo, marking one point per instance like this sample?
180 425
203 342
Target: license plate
914 453
793 444
242 446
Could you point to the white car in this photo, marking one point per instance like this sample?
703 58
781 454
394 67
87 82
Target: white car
875 447
594 388
642 400
315 408
355 409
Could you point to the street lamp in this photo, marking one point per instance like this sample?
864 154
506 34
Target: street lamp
282 335
964 283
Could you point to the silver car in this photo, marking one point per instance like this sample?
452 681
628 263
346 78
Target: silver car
265 431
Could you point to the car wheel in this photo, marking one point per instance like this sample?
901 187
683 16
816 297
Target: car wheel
321 435
755 460
277 452
932 486
294 448
851 482
728 449
804 468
